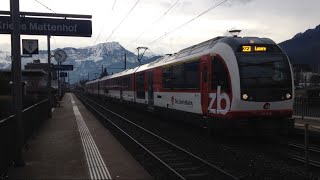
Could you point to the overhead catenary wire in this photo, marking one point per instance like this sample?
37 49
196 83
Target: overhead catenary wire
96 40
166 11
154 22
206 11
45 6
54 40
98 35
123 20
114 4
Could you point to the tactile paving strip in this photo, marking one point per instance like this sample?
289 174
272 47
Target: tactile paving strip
96 165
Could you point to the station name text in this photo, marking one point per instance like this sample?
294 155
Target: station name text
41 27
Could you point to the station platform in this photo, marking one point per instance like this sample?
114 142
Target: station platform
314 122
74 145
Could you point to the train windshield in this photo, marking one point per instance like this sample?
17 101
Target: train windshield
264 72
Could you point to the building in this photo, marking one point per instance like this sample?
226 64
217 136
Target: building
36 64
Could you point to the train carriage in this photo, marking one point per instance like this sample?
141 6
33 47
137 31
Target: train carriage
225 78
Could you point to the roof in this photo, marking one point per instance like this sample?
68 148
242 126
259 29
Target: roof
190 53
27 72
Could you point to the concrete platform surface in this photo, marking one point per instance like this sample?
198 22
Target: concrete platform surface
314 123
74 145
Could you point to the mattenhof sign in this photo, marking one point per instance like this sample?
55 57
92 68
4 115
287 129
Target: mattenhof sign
48 26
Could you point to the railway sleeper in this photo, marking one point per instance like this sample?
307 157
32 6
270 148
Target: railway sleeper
173 159
181 164
166 155
146 140
152 145
163 152
193 168
157 149
197 175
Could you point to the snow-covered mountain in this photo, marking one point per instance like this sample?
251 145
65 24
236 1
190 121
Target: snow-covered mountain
89 60
5 60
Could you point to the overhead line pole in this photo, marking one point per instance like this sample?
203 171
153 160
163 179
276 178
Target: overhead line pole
125 61
16 57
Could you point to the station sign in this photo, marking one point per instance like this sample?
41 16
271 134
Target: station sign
48 26
62 67
30 46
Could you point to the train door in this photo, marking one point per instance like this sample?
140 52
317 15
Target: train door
150 90
204 69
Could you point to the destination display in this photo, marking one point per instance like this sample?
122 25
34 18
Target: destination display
259 48
254 48
48 26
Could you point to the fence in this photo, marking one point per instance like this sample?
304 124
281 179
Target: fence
32 118
304 106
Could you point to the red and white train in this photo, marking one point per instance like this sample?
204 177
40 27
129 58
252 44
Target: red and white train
224 79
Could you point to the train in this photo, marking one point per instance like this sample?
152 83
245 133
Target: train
227 81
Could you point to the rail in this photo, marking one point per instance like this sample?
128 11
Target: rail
32 118
144 136
297 152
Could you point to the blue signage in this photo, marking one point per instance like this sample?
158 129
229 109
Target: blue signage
48 26
62 67
63 74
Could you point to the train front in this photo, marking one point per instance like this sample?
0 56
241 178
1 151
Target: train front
265 80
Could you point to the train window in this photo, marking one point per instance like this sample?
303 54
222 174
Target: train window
192 75
127 82
166 77
182 76
219 75
140 86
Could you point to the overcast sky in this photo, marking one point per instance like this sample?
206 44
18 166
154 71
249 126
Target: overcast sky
275 19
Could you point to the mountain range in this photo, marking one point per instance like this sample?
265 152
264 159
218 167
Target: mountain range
5 60
303 48
89 60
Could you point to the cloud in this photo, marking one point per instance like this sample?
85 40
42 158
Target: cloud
232 3
278 20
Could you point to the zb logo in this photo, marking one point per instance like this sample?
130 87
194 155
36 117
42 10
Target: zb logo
220 102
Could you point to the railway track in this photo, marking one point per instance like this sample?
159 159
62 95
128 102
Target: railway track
175 161
297 152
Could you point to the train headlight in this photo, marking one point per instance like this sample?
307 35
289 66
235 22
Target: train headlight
245 96
288 95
